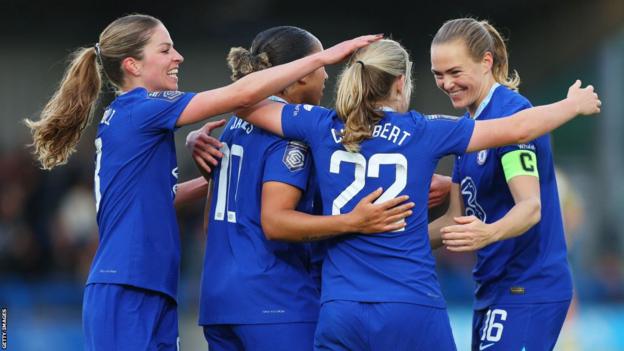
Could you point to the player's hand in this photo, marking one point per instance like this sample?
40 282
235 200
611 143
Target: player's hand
439 190
203 147
585 100
341 51
469 234
368 217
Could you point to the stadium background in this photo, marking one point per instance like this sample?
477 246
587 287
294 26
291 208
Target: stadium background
47 225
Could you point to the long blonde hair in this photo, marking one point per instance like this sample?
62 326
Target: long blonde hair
70 110
480 37
365 83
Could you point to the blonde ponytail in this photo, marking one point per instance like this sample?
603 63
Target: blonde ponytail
365 84
500 68
69 111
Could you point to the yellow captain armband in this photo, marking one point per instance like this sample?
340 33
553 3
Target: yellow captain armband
519 162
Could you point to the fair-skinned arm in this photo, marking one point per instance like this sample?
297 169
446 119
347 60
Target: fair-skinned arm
190 191
280 220
454 210
259 85
439 189
471 234
518 128
529 124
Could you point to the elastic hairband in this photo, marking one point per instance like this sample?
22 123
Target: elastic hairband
97 51
360 62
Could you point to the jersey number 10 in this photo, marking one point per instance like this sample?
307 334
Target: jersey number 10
225 181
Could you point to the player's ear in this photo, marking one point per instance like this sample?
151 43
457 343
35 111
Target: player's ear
488 61
399 85
131 66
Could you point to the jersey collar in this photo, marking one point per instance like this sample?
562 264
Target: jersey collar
485 101
277 99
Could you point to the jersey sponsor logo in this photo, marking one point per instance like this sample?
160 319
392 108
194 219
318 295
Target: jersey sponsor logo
295 156
166 95
307 107
482 157
469 192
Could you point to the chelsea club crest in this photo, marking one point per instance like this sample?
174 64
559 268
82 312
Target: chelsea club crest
482 157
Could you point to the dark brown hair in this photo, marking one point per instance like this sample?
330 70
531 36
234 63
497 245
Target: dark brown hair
272 47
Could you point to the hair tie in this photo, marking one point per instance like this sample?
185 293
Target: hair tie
361 63
97 51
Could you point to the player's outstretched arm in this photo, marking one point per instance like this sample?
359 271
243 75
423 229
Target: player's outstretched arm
254 87
471 234
280 220
529 124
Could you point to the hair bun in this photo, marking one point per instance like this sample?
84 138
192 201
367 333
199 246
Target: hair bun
242 62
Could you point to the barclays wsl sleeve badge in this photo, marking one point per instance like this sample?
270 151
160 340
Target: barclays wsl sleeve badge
295 156
169 95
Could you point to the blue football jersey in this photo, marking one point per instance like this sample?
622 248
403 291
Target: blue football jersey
401 157
135 178
248 279
532 267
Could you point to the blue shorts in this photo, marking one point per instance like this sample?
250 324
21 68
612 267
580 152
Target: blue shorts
530 327
122 317
362 326
260 337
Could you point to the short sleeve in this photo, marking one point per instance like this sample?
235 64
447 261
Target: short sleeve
288 162
302 121
448 135
160 110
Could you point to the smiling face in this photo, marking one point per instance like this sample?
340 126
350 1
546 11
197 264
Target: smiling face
466 81
158 69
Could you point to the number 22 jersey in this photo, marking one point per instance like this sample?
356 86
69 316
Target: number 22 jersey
400 157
